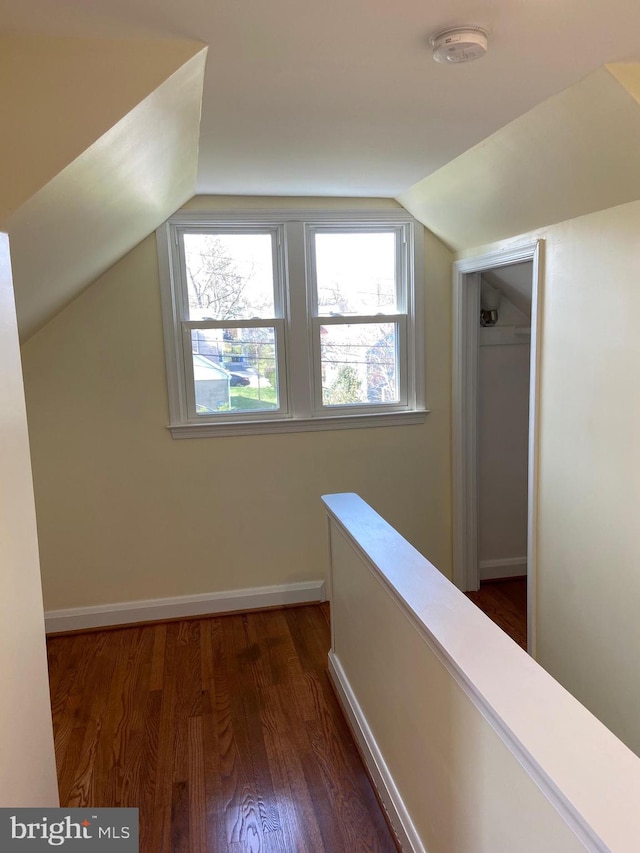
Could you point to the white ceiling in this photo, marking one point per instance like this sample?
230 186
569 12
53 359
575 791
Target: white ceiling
342 97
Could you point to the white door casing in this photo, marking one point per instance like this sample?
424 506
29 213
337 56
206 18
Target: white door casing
466 312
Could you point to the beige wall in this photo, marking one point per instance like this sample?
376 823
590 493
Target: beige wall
588 583
27 764
127 513
463 789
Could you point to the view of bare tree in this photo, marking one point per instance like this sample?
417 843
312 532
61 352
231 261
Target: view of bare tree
358 360
214 283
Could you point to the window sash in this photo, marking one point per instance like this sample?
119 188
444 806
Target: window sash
400 321
277 254
187 393
400 233
278 326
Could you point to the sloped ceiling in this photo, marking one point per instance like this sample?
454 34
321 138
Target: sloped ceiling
515 282
342 97
339 98
108 199
59 95
573 154
628 74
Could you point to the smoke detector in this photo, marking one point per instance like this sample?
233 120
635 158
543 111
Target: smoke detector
460 44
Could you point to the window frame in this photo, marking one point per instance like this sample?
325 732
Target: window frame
297 322
400 318
188 414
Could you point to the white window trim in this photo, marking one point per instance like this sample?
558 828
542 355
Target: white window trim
299 411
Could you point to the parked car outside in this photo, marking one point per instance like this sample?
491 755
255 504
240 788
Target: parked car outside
237 379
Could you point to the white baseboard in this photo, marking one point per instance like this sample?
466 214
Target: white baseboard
184 606
509 567
382 779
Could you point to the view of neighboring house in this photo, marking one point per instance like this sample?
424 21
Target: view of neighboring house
212 384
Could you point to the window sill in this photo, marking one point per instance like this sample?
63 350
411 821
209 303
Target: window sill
207 430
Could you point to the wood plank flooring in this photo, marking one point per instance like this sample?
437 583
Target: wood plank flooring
505 602
225 732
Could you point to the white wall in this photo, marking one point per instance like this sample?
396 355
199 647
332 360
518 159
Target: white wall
27 763
588 540
126 513
503 433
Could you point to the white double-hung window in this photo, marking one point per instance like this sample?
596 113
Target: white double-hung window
280 322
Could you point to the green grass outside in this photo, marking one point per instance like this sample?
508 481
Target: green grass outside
244 397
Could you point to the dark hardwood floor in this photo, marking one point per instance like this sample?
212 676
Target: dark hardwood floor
224 731
505 602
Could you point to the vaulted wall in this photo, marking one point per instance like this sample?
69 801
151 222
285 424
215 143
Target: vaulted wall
99 146
573 154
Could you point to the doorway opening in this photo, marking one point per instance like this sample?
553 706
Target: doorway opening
495 406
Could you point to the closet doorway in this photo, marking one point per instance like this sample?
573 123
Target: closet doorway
495 401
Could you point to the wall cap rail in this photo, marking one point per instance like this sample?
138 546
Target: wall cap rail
583 769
